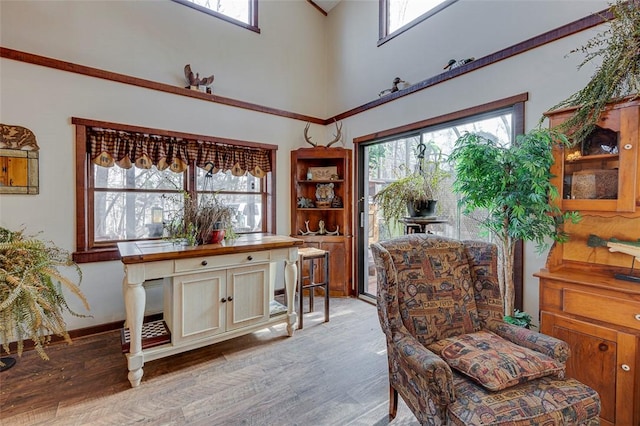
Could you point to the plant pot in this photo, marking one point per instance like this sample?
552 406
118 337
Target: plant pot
216 236
421 208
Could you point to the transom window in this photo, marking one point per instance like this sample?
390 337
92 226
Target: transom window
132 181
239 12
397 16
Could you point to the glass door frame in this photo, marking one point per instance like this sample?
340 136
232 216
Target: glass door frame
516 106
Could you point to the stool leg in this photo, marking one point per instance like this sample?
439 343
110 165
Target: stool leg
312 264
326 287
300 298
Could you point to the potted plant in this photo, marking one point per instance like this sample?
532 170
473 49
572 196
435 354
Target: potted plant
205 222
512 183
618 74
31 287
416 193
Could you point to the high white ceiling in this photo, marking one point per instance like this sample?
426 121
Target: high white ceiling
326 5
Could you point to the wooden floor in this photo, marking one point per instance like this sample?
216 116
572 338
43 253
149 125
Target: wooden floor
331 373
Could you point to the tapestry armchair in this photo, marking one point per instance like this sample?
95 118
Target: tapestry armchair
452 358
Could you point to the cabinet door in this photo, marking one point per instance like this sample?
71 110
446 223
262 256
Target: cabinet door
198 309
593 357
339 266
247 296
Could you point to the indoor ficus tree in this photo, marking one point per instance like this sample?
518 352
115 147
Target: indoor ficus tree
512 183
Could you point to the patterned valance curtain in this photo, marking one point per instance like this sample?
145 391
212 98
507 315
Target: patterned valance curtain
126 149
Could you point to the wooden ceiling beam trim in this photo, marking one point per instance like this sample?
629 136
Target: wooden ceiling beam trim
516 49
147 84
318 8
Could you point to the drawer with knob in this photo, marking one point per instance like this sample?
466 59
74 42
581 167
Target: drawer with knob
221 261
621 312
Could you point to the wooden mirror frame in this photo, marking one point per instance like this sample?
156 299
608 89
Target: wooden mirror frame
22 165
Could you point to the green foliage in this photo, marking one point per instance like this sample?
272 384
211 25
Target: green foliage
521 319
513 184
32 302
422 184
197 219
618 75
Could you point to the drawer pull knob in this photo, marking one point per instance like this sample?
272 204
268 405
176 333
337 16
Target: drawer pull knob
223 300
637 317
628 146
249 257
229 299
625 367
204 263
603 347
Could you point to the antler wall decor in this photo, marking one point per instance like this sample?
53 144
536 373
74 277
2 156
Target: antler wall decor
338 135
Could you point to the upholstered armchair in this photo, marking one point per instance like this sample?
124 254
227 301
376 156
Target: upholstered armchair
451 357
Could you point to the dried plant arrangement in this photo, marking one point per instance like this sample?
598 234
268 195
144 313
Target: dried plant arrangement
31 291
617 77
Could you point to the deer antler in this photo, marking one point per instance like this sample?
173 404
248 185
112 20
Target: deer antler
306 135
338 135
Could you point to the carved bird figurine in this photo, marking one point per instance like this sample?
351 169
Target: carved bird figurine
394 87
455 64
194 79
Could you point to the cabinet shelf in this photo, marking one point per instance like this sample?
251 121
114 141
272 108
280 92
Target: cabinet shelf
320 181
321 208
598 157
338 160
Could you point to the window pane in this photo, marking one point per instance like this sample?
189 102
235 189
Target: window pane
402 12
135 178
227 182
236 9
247 216
132 215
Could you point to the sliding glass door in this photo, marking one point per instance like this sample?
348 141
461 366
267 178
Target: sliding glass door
388 159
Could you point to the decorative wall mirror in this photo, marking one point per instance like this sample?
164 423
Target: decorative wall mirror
18 161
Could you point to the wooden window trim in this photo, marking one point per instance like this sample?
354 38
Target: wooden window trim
253 13
385 36
86 248
516 102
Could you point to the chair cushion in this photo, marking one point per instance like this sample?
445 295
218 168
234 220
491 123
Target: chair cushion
546 401
494 362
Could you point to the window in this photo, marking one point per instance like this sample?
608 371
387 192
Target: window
397 16
132 180
385 156
240 12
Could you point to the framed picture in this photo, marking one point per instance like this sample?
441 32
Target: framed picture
323 173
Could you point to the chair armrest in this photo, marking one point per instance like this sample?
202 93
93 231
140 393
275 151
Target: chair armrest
431 374
550 346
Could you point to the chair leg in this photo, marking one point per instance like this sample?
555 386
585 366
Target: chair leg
326 287
393 403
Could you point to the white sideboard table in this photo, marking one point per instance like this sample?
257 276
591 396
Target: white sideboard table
212 292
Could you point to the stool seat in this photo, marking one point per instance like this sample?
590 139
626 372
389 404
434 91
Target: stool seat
309 252
311 255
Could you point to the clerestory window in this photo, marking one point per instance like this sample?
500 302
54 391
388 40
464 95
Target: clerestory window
239 12
397 16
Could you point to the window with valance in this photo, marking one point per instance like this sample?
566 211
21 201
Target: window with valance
112 147
131 178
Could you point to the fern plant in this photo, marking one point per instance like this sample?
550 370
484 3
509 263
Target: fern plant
32 303
617 76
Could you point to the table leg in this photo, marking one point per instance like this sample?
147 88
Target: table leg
290 281
134 300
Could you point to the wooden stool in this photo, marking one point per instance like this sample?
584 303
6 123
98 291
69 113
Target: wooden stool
311 255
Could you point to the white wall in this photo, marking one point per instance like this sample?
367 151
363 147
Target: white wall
469 28
283 67
302 62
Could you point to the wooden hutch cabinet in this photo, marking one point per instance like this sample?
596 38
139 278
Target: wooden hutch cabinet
322 173
581 300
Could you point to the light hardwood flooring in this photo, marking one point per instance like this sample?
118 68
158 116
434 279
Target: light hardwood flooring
331 373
